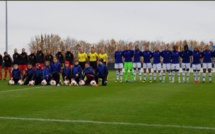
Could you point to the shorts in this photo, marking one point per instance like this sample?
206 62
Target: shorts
118 65
0 68
82 64
207 65
23 67
196 66
175 66
166 66
42 65
128 65
147 65
136 65
93 64
185 66
157 67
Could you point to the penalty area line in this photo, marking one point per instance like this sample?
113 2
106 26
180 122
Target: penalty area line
108 123
15 90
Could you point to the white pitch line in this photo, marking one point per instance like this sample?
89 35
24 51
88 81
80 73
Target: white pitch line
108 123
22 89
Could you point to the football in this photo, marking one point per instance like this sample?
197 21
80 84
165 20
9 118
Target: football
93 83
73 83
31 83
20 82
53 82
11 82
44 83
66 82
81 83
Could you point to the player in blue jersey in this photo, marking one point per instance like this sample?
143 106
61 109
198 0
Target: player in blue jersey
128 54
147 55
207 63
137 62
186 56
157 63
166 54
175 55
196 64
118 64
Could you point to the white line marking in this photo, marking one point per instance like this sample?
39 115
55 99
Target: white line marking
109 123
22 89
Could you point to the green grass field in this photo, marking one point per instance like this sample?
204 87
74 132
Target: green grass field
119 108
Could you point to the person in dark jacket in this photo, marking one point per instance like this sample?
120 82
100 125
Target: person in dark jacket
16 74
16 57
77 72
1 61
38 74
49 56
47 71
66 74
69 56
60 57
101 72
7 65
88 73
40 57
23 61
32 58
56 67
29 74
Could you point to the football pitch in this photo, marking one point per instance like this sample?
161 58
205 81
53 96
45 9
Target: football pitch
119 108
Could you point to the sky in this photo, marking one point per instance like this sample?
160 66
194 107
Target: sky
94 21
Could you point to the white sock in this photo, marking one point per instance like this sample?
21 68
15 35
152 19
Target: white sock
173 75
198 75
179 79
188 76
140 74
164 76
169 76
120 73
210 76
194 74
203 76
134 74
160 76
117 75
144 76
183 75
150 76
155 75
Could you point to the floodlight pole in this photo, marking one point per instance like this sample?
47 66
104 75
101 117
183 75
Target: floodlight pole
6 27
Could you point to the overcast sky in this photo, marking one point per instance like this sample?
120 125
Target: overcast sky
93 21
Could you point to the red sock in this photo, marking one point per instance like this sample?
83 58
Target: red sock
5 74
0 74
10 73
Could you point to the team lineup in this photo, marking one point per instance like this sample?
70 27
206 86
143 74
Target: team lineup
87 69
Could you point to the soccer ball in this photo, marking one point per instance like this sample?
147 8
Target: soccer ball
81 83
66 82
53 82
11 82
73 83
20 82
44 82
31 83
93 83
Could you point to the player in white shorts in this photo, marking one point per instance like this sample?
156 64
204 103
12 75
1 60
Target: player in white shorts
186 56
137 62
118 64
166 54
147 55
175 64
196 64
157 63
207 63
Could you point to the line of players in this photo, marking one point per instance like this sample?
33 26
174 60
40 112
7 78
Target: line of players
92 68
170 61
